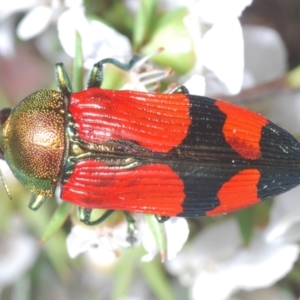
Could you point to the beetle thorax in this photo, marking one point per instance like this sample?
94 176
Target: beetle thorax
34 141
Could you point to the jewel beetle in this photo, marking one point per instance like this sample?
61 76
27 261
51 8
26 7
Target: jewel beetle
166 154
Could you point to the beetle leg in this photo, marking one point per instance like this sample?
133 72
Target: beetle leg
62 79
162 219
96 75
36 201
84 215
131 229
181 90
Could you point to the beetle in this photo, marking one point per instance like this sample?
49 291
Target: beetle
166 154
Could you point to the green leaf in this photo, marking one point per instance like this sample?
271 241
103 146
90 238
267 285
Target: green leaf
261 213
173 36
156 278
294 275
255 216
114 78
244 218
113 13
56 246
159 234
57 254
58 219
78 65
124 272
143 21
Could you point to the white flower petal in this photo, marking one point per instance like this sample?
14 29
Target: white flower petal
284 214
214 10
6 38
258 266
35 22
292 235
73 3
118 44
263 264
110 238
177 231
213 284
223 54
271 293
268 61
149 245
95 36
68 23
101 257
80 240
196 84
211 240
17 255
134 86
150 255
10 7
209 246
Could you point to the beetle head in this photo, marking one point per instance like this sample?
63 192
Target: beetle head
4 114
33 140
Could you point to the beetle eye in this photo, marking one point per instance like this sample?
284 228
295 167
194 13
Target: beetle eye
4 114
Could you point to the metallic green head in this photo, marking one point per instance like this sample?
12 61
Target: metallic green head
33 140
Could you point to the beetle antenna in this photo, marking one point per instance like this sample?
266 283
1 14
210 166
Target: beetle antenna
5 185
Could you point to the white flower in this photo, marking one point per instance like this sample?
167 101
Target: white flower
212 11
220 48
217 258
6 38
177 232
143 74
40 14
104 238
269 60
223 55
284 221
18 252
213 34
272 293
209 11
104 244
195 84
99 41
8 8
262 263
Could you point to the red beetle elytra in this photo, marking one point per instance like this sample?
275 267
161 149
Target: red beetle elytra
165 154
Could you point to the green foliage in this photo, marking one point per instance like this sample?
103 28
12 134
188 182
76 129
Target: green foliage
173 36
